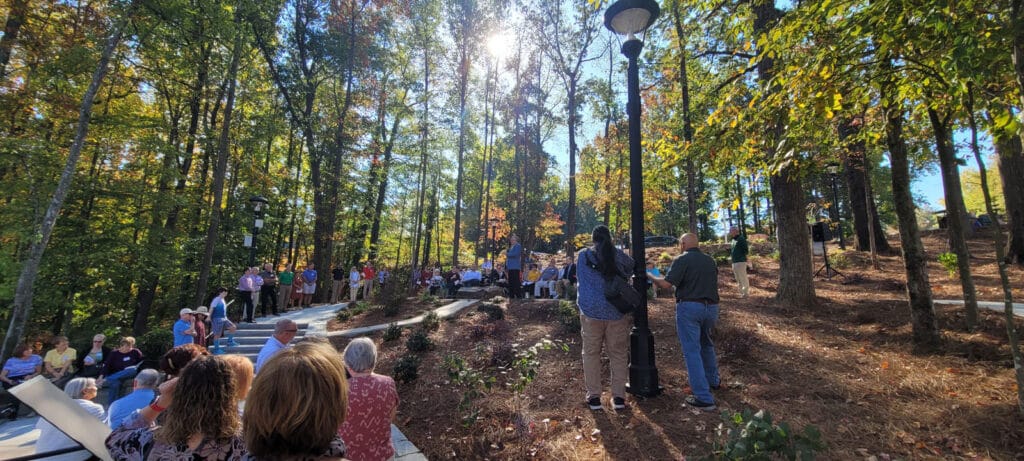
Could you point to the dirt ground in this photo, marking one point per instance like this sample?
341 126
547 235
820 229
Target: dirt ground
845 365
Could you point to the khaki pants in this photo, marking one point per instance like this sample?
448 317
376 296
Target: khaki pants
353 292
740 271
336 286
284 296
367 288
614 335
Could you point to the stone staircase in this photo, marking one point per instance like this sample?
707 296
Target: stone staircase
252 336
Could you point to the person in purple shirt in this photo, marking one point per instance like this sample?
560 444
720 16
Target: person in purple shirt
257 285
22 366
122 363
245 289
308 284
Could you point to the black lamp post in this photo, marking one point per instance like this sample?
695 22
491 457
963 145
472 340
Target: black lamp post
833 173
628 18
258 202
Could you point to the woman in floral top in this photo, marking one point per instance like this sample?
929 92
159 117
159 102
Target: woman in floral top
201 420
372 400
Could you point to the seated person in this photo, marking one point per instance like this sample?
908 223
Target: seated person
472 278
122 363
22 366
82 390
454 280
143 393
90 362
566 279
653 270
372 403
435 282
547 281
531 279
59 364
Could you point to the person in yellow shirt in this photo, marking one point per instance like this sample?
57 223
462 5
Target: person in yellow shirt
59 362
531 279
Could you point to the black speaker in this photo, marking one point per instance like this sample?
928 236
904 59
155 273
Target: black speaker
821 232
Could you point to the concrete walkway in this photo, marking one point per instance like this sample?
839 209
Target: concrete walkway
442 312
1018 308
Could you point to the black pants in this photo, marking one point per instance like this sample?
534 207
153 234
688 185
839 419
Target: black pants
15 404
268 296
247 306
515 284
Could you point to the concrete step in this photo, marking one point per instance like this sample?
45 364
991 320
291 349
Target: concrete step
264 326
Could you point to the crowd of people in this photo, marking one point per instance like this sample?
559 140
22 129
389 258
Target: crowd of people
198 405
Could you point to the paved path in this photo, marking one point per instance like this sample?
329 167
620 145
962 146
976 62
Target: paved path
1018 308
442 312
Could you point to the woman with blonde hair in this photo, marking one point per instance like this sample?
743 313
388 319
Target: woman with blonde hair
283 420
201 420
242 367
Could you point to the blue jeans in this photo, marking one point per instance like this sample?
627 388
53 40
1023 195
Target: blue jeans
694 322
113 382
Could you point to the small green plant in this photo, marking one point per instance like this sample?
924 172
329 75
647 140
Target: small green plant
392 333
754 436
838 259
419 341
493 311
949 262
431 322
352 310
775 255
569 316
427 298
473 382
407 369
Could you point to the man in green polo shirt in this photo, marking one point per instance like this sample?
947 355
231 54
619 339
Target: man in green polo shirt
694 275
739 260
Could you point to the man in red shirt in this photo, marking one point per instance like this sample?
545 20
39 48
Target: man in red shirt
369 276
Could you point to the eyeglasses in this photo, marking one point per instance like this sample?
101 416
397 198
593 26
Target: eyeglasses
291 331
95 341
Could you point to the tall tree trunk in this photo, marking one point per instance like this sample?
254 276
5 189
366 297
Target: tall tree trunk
1010 162
382 188
795 280
955 212
464 59
15 19
684 89
922 312
220 169
855 171
422 183
26 281
1004 278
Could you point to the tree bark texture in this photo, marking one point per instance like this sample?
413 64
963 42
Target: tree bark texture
955 211
12 27
1010 162
30 271
857 183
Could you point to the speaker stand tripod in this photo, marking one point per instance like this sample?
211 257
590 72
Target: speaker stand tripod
827 267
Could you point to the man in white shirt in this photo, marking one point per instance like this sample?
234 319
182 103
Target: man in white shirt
472 277
284 332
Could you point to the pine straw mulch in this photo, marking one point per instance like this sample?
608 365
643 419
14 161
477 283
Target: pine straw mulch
845 365
374 313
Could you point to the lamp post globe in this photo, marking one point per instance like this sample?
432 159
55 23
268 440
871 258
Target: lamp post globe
630 18
258 203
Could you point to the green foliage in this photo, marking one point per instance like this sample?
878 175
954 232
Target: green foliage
155 343
473 383
419 341
837 259
352 310
569 316
949 262
392 333
754 436
493 311
392 294
526 362
431 322
407 368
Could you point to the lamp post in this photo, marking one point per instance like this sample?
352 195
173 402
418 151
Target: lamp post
628 18
833 173
258 202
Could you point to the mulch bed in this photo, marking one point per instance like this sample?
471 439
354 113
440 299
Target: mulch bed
845 365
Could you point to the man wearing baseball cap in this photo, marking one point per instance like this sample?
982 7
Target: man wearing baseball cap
184 329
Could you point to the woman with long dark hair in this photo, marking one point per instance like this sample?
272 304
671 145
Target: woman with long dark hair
601 323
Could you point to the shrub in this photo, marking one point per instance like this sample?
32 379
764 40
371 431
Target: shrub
754 436
569 316
393 332
473 382
407 369
493 311
949 262
155 343
352 310
838 259
502 354
392 294
419 341
431 322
